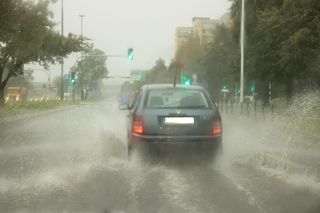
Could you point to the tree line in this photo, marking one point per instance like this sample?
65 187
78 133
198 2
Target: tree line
282 47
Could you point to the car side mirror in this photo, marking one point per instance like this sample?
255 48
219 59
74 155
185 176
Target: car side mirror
124 106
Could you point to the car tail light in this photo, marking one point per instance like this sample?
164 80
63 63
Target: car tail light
217 127
137 125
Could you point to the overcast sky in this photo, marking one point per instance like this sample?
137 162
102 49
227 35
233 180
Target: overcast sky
148 26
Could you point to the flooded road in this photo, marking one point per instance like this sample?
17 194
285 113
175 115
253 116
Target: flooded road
75 160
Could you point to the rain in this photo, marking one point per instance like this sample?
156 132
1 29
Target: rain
67 126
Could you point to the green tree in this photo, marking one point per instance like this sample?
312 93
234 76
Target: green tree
92 69
189 56
160 66
214 63
282 40
27 36
221 62
158 73
56 82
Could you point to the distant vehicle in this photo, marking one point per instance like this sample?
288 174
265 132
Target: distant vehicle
163 118
15 94
126 94
124 98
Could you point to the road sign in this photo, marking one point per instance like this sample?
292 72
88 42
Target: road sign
137 75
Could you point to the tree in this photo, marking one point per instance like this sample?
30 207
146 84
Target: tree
189 56
221 61
160 66
283 40
214 63
27 36
92 69
56 82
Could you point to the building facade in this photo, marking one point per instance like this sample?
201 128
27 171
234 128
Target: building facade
182 35
204 29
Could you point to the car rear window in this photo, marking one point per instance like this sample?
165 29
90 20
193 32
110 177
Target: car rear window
177 98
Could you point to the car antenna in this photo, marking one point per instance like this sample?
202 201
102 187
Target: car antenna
175 78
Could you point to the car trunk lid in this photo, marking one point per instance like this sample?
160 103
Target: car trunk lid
178 121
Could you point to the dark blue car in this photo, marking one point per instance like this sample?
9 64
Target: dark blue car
168 119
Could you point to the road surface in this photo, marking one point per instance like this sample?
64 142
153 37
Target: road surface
74 160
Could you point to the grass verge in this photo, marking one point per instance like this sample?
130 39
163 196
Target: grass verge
305 125
21 108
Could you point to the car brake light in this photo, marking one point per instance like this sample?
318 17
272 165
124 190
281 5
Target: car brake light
217 128
137 125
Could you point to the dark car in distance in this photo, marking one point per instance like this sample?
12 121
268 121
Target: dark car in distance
167 119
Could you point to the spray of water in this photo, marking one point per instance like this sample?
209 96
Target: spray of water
279 146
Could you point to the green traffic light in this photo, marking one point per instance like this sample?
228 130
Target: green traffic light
186 80
225 86
130 54
252 88
73 78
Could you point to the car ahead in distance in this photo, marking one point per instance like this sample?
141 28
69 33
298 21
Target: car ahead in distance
170 119
124 98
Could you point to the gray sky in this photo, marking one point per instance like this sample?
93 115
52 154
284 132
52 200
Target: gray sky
148 26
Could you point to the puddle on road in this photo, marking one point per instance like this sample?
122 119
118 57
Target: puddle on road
96 175
102 179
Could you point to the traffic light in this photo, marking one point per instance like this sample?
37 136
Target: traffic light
186 80
225 86
73 78
130 53
252 88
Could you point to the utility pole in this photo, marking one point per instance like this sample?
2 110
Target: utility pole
62 63
80 77
242 51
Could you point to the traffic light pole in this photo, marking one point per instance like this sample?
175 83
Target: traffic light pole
73 94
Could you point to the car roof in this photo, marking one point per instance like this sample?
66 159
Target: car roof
170 86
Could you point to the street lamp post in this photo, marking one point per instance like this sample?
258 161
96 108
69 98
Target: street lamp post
62 62
242 51
80 79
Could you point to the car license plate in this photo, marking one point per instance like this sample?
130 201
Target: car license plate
179 120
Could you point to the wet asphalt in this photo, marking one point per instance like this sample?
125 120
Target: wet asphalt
75 160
